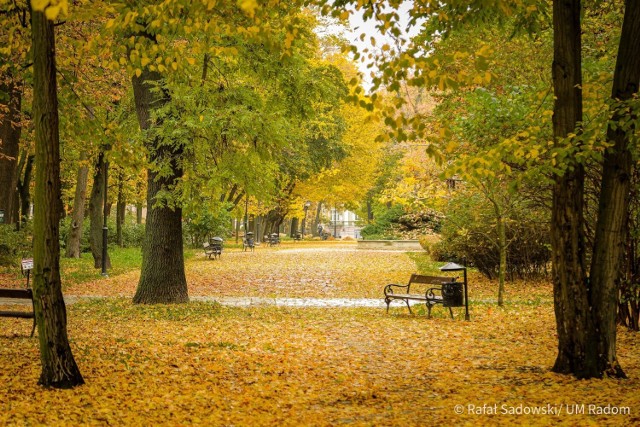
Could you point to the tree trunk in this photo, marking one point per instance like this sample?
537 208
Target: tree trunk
609 243
77 219
59 368
162 279
96 213
120 209
576 344
502 267
10 130
294 226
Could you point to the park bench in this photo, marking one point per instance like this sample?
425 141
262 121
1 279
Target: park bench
273 239
20 294
429 289
213 247
248 242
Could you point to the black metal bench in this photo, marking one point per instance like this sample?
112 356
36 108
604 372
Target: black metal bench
429 289
20 294
213 248
248 242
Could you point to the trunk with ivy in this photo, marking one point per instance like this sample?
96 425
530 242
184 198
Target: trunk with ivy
59 368
162 278
77 218
10 130
610 237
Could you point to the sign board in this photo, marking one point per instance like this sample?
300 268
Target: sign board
1 216
27 264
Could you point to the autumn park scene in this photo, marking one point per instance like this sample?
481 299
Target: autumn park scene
319 213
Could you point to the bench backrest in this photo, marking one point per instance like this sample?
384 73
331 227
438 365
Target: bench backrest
427 280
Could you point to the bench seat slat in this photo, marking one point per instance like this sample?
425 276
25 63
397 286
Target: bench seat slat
16 293
17 314
413 297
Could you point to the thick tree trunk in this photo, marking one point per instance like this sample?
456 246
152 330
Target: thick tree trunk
162 278
59 368
77 218
10 130
576 344
294 227
609 244
96 213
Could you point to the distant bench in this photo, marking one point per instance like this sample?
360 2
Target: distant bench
420 288
21 294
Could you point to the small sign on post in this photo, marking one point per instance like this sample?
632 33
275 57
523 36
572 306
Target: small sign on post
26 265
1 216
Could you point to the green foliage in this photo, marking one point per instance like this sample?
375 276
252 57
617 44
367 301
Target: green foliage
205 221
14 245
470 233
132 233
381 228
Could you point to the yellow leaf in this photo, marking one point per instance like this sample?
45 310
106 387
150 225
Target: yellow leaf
138 72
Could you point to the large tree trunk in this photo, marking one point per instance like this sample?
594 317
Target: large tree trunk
77 218
10 130
59 368
96 213
609 244
576 343
162 278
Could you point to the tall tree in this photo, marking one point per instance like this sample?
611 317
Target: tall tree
77 218
10 129
609 244
59 368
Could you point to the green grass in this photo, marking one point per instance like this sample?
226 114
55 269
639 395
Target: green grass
80 270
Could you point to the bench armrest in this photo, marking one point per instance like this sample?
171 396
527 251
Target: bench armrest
389 288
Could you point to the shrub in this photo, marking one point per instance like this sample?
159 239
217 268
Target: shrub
14 245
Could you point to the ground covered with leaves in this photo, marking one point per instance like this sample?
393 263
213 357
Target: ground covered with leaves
205 363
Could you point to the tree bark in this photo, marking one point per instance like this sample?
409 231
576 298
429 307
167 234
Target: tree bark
77 218
10 130
162 278
609 243
96 213
59 368
120 209
576 344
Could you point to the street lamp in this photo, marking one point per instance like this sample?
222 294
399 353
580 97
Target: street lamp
304 220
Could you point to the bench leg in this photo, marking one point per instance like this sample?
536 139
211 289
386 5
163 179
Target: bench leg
408 306
34 326
428 310
451 312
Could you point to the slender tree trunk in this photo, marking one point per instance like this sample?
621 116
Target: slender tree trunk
502 267
120 209
162 279
59 368
609 244
10 130
77 218
576 343
96 213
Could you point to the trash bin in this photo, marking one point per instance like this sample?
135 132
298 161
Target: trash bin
452 294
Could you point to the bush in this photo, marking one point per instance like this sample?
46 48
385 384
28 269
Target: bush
528 253
15 245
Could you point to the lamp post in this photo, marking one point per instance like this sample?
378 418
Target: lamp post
452 266
304 220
